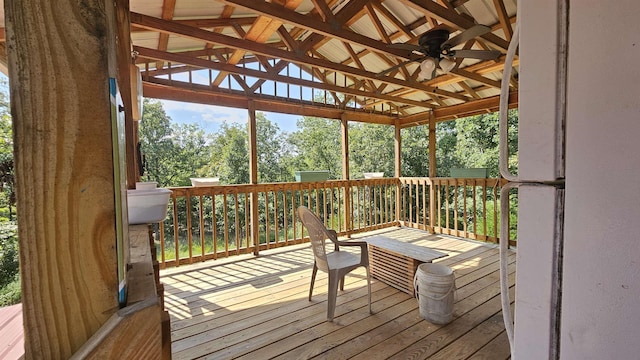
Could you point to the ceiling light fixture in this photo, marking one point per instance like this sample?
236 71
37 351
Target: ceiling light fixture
426 68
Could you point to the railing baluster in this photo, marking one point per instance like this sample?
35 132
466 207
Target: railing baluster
237 222
484 208
162 256
214 223
475 210
247 233
464 208
495 212
267 228
447 225
175 229
275 215
285 211
324 203
424 204
202 245
226 224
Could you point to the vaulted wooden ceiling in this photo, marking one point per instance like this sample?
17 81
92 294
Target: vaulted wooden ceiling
322 58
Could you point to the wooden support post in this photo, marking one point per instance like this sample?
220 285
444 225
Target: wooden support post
64 169
253 175
398 169
344 132
432 170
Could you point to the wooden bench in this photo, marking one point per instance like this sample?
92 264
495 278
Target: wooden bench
395 262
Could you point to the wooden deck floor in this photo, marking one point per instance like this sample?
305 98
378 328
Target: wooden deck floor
257 308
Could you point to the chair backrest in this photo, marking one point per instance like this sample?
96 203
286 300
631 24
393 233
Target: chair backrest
317 233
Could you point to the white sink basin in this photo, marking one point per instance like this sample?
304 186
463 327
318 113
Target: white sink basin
147 206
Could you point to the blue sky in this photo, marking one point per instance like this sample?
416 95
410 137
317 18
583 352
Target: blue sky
210 117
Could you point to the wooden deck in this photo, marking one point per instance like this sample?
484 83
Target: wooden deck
257 308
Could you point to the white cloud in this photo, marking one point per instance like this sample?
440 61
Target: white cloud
182 112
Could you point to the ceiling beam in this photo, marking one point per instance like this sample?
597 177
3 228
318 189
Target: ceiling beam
504 18
241 100
471 108
228 68
333 29
262 49
168 7
209 23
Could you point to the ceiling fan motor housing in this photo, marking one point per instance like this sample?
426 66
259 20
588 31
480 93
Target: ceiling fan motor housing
432 41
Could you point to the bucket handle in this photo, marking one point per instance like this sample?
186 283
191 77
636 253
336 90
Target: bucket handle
437 298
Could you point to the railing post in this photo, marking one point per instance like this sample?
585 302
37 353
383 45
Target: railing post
253 174
432 205
432 170
344 132
398 169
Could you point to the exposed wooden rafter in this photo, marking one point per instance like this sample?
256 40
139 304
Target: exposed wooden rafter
254 46
160 25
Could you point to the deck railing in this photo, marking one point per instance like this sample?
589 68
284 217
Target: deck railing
219 221
466 208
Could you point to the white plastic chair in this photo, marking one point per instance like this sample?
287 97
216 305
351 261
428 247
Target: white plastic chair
336 263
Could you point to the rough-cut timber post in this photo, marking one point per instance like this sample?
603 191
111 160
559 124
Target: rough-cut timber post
398 168
432 169
253 175
59 77
344 132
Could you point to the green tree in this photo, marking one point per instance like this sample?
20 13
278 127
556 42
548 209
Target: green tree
7 178
371 149
172 153
478 138
272 151
317 145
415 151
231 154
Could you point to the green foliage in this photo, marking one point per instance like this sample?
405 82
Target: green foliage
371 149
173 153
415 151
8 253
473 142
11 294
7 177
317 146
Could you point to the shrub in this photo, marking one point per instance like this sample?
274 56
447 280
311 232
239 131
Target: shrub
11 294
9 266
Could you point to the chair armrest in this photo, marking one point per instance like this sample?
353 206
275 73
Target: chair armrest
364 247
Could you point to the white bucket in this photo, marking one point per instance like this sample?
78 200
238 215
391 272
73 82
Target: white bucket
435 288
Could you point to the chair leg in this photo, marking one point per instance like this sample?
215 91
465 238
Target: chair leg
333 294
342 283
313 280
369 287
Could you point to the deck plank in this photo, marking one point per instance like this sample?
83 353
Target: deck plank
257 308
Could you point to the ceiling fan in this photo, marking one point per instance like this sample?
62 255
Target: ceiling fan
437 50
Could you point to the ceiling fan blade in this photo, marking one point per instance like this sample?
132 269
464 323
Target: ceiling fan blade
410 47
467 35
476 54
398 66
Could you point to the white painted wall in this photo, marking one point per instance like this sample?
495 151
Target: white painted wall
601 285
535 309
600 304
